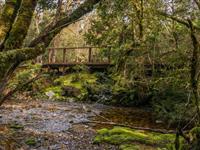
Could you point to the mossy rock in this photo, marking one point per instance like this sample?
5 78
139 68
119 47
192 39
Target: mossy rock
195 132
75 81
121 136
195 137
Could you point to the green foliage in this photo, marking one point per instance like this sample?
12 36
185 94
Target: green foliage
25 74
152 68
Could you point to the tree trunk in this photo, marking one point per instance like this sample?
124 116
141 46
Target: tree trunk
21 25
195 67
7 18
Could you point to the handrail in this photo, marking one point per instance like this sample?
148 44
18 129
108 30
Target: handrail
81 47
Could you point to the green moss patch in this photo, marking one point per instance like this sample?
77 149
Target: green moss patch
76 80
123 136
31 141
16 126
129 147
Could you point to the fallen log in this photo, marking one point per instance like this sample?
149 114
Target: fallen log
163 131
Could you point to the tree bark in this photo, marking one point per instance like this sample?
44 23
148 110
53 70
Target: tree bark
17 56
195 67
7 18
21 25
198 3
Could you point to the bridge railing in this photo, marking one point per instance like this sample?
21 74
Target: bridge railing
65 55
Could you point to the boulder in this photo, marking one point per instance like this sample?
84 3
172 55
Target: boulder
70 91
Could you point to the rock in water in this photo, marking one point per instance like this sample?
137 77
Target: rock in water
50 94
70 91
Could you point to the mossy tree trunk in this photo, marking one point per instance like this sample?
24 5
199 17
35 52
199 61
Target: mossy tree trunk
14 24
20 27
195 66
7 18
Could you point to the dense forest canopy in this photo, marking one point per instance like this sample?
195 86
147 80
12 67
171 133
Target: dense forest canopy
152 48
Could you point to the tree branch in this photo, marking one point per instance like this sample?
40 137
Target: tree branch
198 3
179 20
17 56
48 35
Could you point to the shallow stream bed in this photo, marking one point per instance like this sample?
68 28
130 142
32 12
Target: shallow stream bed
52 125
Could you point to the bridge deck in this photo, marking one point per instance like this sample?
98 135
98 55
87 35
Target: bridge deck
91 65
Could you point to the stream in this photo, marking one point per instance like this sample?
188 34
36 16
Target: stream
53 125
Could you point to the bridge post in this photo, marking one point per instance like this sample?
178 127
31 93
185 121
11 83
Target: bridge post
109 54
64 55
90 55
49 56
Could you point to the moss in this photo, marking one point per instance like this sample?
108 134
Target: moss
7 17
120 135
31 141
76 80
129 147
21 25
195 131
16 126
195 138
8 58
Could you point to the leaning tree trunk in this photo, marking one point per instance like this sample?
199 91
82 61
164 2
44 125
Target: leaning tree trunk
7 18
15 21
195 65
21 25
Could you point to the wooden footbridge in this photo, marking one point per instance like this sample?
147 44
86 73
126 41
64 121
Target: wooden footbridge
61 58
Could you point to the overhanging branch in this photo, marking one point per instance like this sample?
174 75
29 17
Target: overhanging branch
179 20
47 35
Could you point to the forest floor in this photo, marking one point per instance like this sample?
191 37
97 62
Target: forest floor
53 125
